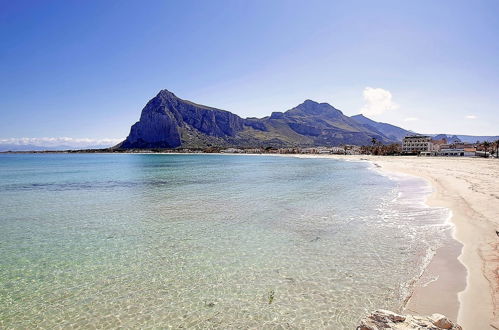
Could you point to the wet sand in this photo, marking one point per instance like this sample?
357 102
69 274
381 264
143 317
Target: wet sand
462 280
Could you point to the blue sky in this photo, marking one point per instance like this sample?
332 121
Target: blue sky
85 69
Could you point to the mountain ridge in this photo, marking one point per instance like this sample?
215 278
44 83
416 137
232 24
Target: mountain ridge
389 130
465 138
168 121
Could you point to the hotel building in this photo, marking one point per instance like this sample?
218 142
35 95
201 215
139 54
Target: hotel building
416 144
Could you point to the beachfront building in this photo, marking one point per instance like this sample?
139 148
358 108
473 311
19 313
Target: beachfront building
415 144
460 152
343 150
459 149
316 150
352 150
232 151
338 150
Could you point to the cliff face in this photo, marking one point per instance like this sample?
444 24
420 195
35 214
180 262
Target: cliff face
170 122
166 116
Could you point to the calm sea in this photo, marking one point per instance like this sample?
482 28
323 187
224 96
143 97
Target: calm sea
206 241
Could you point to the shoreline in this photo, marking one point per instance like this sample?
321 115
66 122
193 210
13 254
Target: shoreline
437 288
443 276
466 187
462 278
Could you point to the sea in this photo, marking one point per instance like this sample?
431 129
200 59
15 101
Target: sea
207 241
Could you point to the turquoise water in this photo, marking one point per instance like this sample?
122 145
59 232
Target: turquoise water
206 241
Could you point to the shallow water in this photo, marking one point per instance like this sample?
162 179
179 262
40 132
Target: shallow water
206 241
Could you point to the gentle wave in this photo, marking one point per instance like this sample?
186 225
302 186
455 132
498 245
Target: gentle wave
207 241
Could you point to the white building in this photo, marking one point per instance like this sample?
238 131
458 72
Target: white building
232 151
415 144
462 152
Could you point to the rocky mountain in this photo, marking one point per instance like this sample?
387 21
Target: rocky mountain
390 131
466 138
312 124
449 138
170 122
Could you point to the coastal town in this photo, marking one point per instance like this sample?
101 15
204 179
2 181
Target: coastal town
412 145
424 145
418 145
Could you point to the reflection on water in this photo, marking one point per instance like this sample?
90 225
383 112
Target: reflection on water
205 241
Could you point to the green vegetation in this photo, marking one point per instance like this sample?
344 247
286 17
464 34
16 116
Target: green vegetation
271 296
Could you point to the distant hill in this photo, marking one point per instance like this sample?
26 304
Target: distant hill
466 138
391 131
448 138
170 122
31 147
22 147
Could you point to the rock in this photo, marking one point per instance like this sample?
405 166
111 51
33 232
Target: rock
277 115
383 319
387 316
441 321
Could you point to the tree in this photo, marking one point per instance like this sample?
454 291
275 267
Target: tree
497 148
486 146
365 150
374 150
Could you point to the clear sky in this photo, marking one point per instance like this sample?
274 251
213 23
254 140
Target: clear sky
85 69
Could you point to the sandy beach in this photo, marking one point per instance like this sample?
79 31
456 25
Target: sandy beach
465 272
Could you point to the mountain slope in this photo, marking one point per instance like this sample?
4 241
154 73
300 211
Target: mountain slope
320 124
391 131
170 122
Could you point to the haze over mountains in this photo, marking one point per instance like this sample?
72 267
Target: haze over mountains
54 144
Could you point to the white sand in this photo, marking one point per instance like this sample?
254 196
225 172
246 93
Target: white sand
470 188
